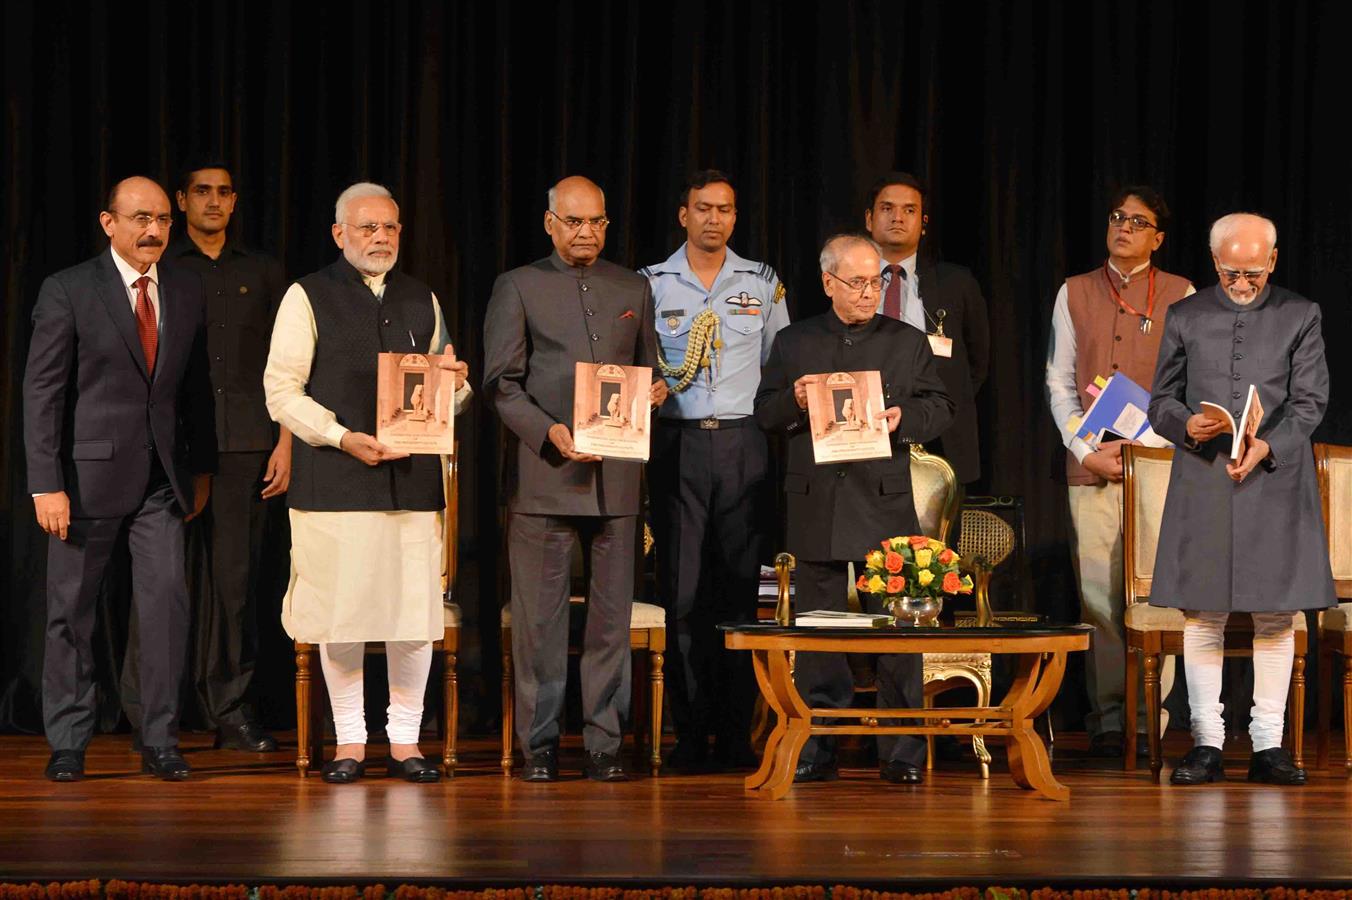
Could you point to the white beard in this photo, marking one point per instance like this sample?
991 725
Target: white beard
370 265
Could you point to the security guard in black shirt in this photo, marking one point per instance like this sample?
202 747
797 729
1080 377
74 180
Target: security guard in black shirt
243 290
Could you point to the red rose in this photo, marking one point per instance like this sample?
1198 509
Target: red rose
896 584
918 541
893 562
886 545
946 557
862 584
952 584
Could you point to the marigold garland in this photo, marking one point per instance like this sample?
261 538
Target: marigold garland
130 890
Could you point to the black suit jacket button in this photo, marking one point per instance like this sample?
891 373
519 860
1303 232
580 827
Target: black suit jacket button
1235 395
1235 376
849 343
591 312
840 473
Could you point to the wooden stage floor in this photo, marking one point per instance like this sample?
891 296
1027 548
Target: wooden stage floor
250 819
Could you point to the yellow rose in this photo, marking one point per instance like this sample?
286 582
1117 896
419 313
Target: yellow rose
876 585
923 558
875 559
926 576
936 546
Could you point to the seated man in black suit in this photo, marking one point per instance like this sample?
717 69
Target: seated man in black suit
838 512
119 428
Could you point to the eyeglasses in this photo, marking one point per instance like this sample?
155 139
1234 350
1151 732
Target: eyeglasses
573 223
1118 219
143 220
860 285
1230 276
369 229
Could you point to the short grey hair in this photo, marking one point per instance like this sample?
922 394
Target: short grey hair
1225 227
359 191
552 197
836 245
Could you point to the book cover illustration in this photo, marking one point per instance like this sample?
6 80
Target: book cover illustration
612 416
843 410
415 403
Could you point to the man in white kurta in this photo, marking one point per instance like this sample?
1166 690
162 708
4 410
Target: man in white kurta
366 522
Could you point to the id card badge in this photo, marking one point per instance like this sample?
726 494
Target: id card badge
941 346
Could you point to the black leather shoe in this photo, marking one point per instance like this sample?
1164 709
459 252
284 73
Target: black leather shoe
1274 766
164 762
690 756
248 737
65 765
604 767
734 755
1202 764
898 772
1108 745
343 771
415 769
815 771
543 766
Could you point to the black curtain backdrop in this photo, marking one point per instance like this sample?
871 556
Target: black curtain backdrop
1023 117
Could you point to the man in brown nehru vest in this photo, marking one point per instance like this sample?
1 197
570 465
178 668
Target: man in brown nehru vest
1106 321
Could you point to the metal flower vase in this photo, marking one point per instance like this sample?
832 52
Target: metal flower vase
915 612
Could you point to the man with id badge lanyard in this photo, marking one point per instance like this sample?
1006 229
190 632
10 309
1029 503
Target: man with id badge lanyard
941 299
1105 321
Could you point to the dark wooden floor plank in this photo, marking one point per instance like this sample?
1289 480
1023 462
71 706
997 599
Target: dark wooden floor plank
246 818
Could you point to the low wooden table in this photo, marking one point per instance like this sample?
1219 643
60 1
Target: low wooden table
1040 656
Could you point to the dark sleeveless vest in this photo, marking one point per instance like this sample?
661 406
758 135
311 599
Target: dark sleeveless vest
352 326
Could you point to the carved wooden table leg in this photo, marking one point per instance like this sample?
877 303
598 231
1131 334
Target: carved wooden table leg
1033 690
792 730
761 666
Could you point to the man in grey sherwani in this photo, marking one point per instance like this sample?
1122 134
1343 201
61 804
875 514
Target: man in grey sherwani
542 319
1243 536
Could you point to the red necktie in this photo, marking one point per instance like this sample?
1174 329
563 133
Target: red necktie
892 299
145 321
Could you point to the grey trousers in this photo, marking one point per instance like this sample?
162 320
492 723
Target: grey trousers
540 549
159 609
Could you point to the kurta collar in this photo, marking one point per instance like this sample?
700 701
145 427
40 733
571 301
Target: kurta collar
1129 276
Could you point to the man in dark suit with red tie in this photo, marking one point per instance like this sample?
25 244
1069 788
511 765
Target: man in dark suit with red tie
119 428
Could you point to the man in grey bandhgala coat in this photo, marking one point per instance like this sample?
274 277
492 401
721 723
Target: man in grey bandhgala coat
544 318
1244 536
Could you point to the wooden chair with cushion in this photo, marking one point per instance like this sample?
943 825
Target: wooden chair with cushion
1154 632
309 730
647 640
1335 625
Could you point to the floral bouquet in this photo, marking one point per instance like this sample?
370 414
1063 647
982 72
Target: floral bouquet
912 574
